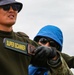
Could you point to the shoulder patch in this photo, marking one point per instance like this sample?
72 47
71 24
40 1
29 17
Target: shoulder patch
15 45
19 46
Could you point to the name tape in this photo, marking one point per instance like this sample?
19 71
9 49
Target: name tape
15 45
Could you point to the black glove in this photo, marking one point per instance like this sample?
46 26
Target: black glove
42 54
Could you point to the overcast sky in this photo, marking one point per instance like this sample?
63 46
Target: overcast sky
38 13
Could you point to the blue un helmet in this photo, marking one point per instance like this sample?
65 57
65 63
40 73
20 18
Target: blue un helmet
51 31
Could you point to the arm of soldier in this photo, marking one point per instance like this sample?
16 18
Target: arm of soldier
60 68
46 57
69 60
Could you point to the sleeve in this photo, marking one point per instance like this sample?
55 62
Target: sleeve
69 60
60 69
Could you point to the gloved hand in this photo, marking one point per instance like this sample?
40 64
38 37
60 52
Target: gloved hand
42 54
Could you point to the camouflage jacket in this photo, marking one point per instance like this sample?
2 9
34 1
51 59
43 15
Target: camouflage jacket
62 69
69 59
16 63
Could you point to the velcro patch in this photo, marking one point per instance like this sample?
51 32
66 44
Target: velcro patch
15 45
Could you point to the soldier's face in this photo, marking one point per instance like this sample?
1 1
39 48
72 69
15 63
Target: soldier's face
7 17
47 42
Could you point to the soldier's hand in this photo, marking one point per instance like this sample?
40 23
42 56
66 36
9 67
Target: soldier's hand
42 54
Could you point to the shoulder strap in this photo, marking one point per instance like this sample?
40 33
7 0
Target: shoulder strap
22 34
25 38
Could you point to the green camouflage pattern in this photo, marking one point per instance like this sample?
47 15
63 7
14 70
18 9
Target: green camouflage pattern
14 63
62 69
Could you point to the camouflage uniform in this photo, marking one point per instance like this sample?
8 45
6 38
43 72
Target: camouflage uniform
11 62
51 36
69 60
14 63
63 69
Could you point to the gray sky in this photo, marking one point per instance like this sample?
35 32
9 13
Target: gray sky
38 13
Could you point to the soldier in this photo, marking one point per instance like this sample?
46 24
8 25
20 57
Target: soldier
50 36
16 53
